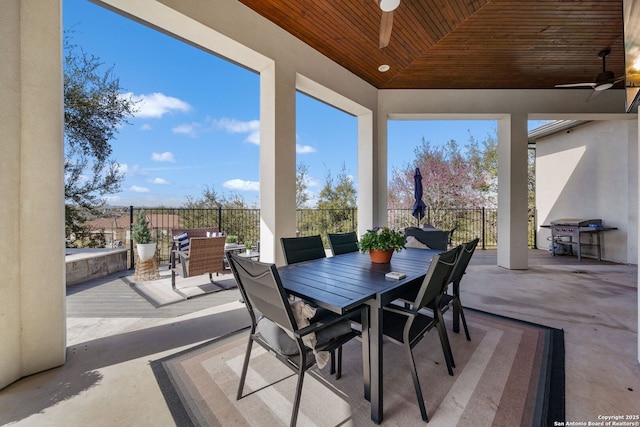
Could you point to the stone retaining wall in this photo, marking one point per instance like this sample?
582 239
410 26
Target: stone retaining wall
87 264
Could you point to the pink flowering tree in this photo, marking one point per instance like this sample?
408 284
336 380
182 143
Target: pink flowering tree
452 178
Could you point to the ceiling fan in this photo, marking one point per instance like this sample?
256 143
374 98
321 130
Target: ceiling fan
603 81
386 22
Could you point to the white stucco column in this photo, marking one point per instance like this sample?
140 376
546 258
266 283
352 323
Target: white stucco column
638 244
277 160
367 174
512 192
32 306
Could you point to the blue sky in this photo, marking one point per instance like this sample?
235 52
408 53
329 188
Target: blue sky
198 118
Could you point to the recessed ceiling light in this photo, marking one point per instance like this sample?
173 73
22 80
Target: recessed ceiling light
383 68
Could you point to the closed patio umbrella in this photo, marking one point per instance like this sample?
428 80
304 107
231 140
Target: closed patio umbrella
419 206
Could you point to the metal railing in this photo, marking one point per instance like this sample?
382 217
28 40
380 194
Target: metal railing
244 224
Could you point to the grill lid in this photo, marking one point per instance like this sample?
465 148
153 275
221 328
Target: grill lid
576 222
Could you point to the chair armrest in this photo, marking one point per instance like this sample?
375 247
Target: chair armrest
324 323
400 310
182 255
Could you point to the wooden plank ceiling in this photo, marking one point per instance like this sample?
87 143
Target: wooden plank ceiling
461 44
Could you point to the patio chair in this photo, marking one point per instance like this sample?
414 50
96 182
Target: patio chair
298 249
432 237
205 256
277 328
180 236
342 243
407 326
450 234
447 299
454 298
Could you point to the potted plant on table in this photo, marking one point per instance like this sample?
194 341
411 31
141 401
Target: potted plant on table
248 246
141 234
381 242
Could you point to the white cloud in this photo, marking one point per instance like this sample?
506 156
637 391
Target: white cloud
122 168
190 129
304 149
163 157
137 189
145 126
254 137
251 127
242 185
156 104
132 170
313 182
237 126
159 181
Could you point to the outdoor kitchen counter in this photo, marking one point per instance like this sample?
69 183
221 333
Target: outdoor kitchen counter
574 232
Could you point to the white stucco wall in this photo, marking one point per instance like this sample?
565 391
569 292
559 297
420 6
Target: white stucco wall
588 172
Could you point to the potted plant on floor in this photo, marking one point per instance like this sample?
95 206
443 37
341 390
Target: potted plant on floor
381 242
141 234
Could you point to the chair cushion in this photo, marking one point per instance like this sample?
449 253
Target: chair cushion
276 337
279 340
182 241
412 242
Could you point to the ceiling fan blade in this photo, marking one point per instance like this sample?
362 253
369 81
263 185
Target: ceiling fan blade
592 95
591 85
386 24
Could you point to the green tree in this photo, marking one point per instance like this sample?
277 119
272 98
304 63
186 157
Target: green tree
336 202
94 109
302 183
211 199
341 195
236 216
483 157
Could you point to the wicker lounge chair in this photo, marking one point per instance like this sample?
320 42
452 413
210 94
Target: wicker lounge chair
205 256
190 232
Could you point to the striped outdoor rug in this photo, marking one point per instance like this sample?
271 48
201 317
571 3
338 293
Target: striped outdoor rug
510 374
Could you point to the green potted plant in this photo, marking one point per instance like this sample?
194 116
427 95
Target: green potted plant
231 241
248 246
141 234
381 242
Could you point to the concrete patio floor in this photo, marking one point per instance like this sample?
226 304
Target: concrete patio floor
113 334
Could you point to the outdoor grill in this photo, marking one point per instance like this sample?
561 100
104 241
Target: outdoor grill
569 225
572 228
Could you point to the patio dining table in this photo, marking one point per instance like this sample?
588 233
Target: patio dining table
350 281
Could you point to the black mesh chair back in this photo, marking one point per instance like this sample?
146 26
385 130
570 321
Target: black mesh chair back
454 298
298 249
262 290
342 243
264 296
465 256
437 278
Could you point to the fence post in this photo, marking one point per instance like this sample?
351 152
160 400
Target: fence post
132 261
353 219
220 220
484 227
